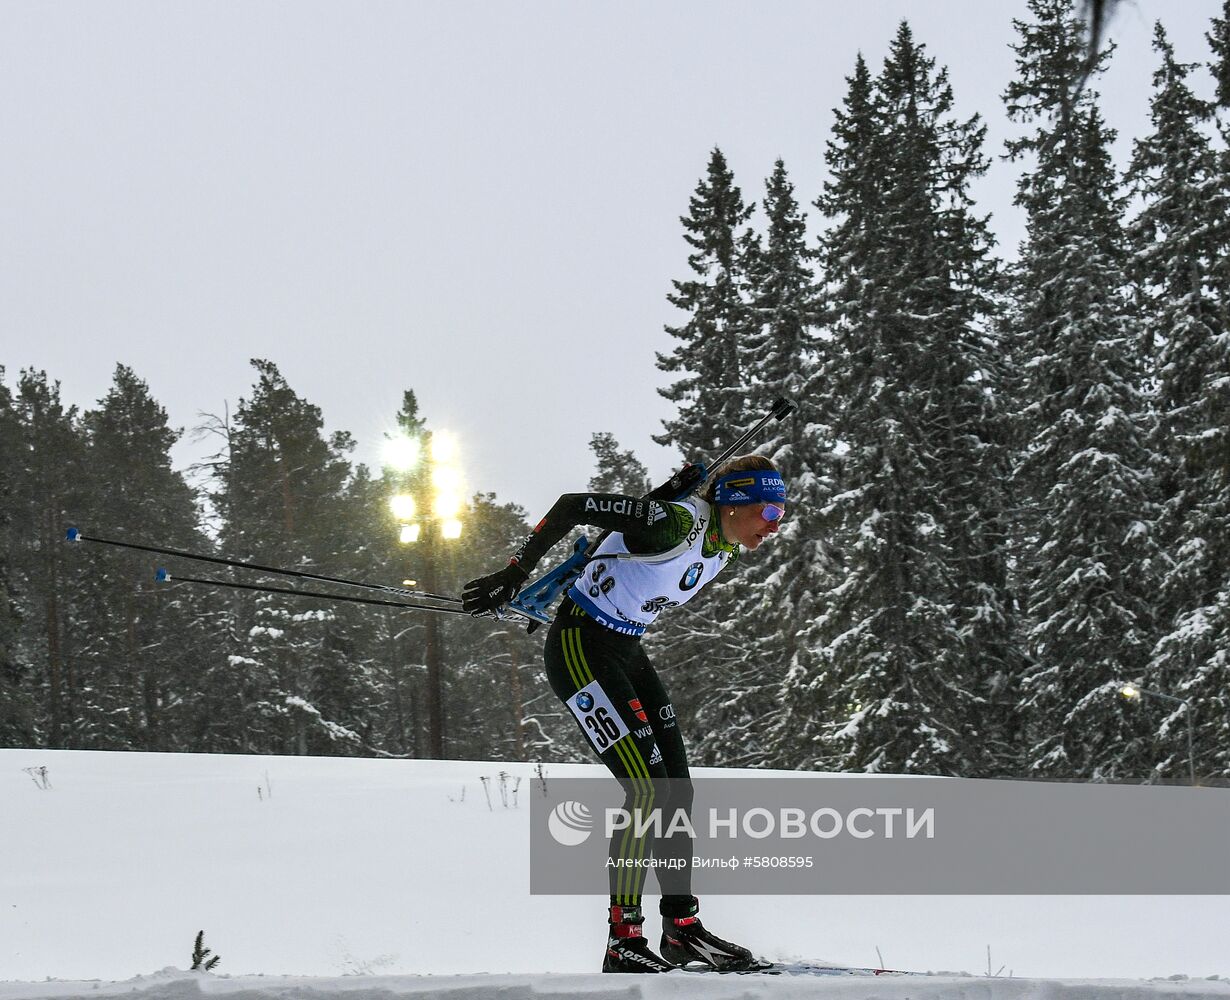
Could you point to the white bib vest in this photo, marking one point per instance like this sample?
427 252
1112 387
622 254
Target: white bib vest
625 591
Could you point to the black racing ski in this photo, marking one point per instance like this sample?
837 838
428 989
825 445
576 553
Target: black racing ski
802 969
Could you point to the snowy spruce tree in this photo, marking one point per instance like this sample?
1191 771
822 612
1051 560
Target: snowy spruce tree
1219 41
913 644
813 703
1180 242
775 588
1087 557
709 391
711 396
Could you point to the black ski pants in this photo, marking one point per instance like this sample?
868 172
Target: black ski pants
599 673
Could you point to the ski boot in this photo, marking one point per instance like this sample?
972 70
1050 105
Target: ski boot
685 941
626 948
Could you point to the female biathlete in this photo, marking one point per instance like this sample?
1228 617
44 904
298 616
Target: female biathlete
658 555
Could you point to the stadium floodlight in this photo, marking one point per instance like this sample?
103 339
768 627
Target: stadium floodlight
402 506
402 452
444 448
435 458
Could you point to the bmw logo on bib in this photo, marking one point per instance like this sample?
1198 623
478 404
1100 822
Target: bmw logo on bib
585 701
692 576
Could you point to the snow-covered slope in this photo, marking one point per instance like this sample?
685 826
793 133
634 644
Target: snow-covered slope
401 878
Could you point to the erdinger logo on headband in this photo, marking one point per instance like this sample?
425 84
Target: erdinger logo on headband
756 486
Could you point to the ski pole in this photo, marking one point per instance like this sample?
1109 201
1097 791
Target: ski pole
162 576
75 535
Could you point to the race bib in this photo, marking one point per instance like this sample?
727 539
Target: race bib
597 716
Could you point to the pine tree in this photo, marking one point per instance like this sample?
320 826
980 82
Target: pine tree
48 486
1088 559
773 591
1180 242
781 300
710 392
812 701
17 711
712 399
293 474
616 471
281 500
129 672
912 640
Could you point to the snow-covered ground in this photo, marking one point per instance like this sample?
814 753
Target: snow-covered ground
386 878
173 984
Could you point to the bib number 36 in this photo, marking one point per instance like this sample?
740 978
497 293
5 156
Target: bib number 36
597 716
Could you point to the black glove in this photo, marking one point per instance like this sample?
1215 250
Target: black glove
490 592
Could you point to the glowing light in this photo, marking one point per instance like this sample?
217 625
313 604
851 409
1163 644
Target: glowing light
1128 691
401 452
447 506
402 506
444 447
447 501
409 583
446 478
449 491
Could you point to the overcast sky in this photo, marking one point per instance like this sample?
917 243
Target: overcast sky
476 201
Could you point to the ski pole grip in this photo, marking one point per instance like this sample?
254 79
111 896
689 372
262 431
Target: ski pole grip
783 407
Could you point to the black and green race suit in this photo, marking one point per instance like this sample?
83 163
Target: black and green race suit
598 669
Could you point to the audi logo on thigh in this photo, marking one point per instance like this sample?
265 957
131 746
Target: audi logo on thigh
666 712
